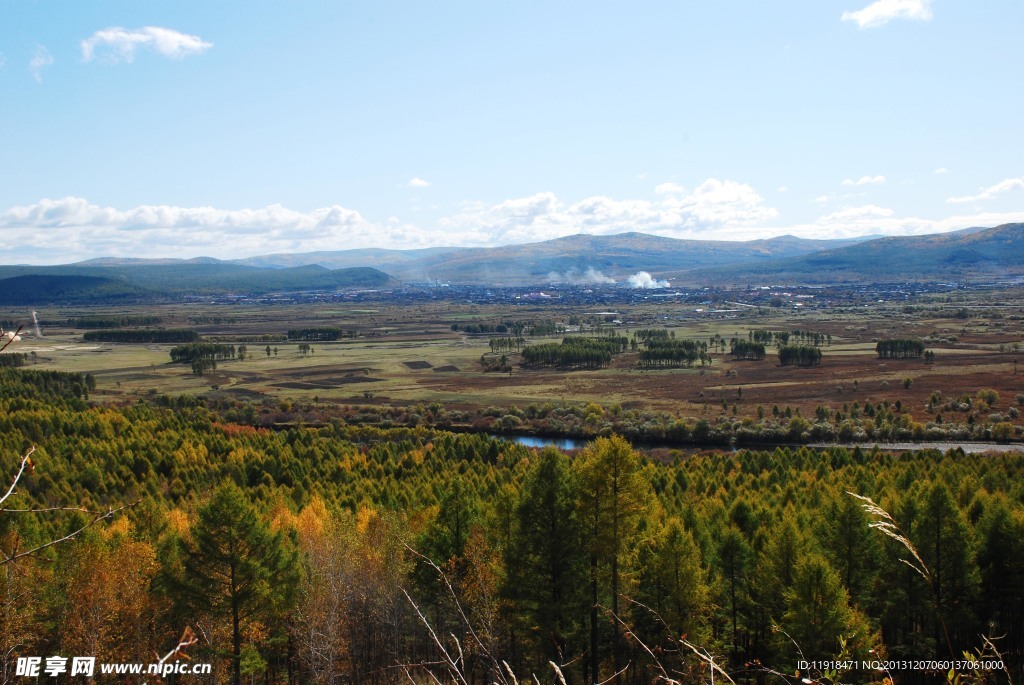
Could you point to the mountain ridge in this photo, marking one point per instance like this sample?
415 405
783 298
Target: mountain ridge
972 254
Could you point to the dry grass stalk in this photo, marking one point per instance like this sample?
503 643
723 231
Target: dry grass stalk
884 523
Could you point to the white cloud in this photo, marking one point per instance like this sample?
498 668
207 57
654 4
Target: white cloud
782 189
883 11
864 181
418 183
116 44
41 58
941 170
713 205
72 228
83 230
990 192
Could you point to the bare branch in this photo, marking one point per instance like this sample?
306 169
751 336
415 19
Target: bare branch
11 338
452 665
26 462
46 510
462 614
96 519
188 638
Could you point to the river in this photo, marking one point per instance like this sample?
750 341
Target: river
967 447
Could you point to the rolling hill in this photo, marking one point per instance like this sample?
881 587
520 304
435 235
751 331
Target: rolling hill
970 255
144 280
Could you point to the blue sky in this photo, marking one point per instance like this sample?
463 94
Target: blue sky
228 129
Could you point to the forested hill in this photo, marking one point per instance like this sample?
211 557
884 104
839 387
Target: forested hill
139 281
971 255
760 558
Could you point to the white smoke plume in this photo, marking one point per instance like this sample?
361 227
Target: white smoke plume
643 280
35 320
573 276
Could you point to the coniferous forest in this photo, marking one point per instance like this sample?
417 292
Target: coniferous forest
361 554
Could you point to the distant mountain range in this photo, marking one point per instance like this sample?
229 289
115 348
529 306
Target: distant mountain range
575 259
975 254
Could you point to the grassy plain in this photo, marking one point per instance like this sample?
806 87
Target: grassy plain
408 353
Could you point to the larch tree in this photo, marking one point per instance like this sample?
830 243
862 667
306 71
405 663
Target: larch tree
614 499
234 567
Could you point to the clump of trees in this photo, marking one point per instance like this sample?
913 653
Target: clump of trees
799 355
203 356
781 338
13 359
203 350
900 348
746 349
507 344
575 353
662 353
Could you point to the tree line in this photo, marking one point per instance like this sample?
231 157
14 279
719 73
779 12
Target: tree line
142 335
124 321
321 334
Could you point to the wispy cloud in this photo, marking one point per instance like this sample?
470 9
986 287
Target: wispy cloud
941 170
419 183
41 58
883 11
864 181
116 44
991 192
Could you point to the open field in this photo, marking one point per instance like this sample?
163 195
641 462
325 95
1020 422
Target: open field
408 353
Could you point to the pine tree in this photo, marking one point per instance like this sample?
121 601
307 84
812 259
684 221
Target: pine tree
545 560
235 567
